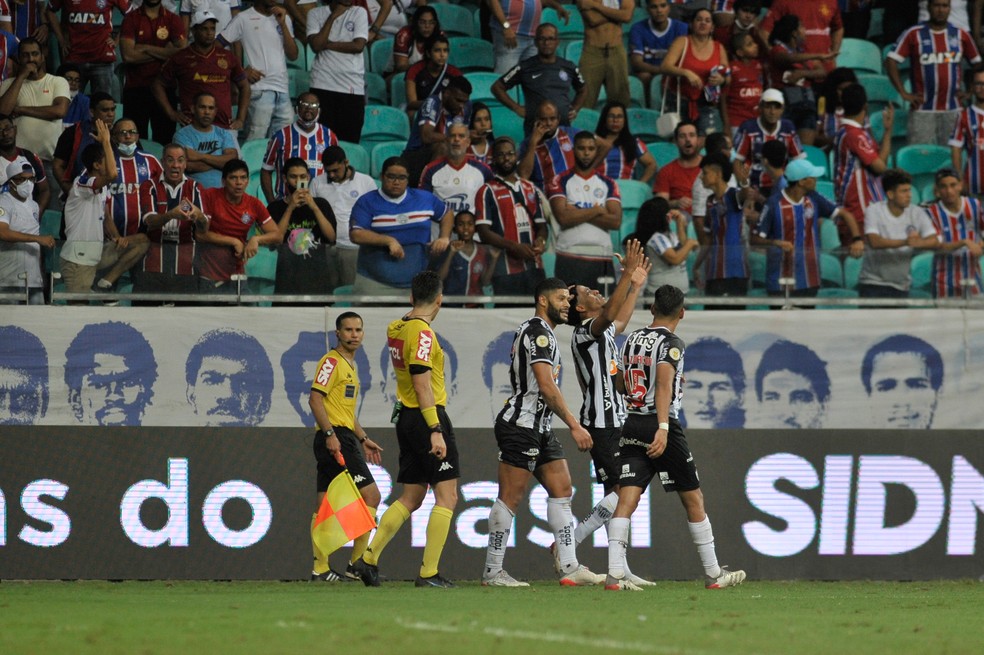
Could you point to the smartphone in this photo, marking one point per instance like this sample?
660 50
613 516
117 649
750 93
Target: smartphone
303 184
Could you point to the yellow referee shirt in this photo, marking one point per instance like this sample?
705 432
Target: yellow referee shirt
412 342
338 380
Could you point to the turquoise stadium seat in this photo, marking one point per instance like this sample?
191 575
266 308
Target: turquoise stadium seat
642 123
921 269
507 123
298 81
398 90
818 157
152 148
852 269
922 161
572 31
252 153
860 55
900 136
549 259
376 91
573 51
383 151
829 238
482 82
826 189
637 92
756 268
471 54
357 155
880 91
634 193
380 54
384 123
455 20
663 151
831 272
837 293
586 119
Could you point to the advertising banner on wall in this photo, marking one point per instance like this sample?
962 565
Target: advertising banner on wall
236 503
248 367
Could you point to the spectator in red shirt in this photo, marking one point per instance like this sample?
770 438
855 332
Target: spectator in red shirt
821 21
431 74
85 35
224 246
742 97
675 181
203 67
149 36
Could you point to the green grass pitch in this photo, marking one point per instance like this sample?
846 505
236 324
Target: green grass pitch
313 618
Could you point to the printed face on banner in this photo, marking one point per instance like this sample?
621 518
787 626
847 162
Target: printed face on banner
789 401
902 392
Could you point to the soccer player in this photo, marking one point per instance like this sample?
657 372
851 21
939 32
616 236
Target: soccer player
428 453
596 323
527 445
334 394
653 443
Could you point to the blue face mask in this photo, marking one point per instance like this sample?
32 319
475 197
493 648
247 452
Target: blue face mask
127 149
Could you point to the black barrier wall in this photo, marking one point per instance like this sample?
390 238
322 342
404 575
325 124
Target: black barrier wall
149 503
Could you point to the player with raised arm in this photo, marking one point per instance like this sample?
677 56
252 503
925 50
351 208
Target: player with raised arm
334 393
527 445
596 323
653 443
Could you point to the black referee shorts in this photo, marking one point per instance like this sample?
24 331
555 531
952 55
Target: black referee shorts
355 461
417 465
675 467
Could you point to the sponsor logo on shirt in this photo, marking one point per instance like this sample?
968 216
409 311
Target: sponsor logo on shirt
425 342
325 373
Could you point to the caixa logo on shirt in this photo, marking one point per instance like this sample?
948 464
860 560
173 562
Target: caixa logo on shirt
246 218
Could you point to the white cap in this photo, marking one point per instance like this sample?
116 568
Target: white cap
18 167
773 95
200 17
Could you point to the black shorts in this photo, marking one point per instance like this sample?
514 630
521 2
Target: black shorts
675 467
526 448
604 454
417 465
355 461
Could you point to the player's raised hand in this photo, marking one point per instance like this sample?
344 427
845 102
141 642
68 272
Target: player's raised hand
633 257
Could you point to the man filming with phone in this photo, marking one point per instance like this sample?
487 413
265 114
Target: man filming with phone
307 227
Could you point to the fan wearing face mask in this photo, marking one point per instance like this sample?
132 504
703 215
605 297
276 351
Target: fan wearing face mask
133 166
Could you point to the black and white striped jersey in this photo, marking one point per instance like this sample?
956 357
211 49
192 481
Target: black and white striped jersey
534 342
642 352
596 364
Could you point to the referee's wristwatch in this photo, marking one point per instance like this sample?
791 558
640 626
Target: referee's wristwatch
327 433
437 428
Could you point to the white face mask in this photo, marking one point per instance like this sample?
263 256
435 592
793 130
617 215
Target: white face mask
308 125
72 94
127 149
25 189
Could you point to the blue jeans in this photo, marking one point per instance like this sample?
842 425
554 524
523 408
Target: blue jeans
98 76
269 111
506 58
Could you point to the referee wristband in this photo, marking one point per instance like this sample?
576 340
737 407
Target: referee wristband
430 416
364 439
664 426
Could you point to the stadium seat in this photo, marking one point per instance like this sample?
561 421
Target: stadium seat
570 32
634 193
876 28
880 92
637 92
831 272
573 51
818 157
455 20
642 123
380 55
383 151
298 81
482 82
471 54
630 218
656 94
829 238
252 153
826 189
152 148
587 119
549 259
900 137
343 290
860 55
756 268
663 151
852 269
263 264
507 123
376 92
921 269
357 155
398 90
922 161
384 123
927 194
638 14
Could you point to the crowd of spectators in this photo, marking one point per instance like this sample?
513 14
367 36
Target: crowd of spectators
719 136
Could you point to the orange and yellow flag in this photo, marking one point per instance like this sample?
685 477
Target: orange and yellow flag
343 515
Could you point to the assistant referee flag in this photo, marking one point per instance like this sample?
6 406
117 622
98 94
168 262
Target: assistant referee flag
343 515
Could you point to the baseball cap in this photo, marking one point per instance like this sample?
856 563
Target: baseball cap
17 167
799 169
202 16
773 95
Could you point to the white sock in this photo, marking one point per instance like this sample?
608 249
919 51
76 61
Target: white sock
500 522
561 521
618 540
703 538
599 515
